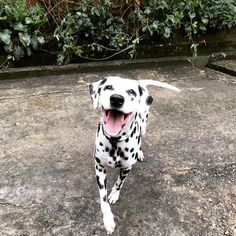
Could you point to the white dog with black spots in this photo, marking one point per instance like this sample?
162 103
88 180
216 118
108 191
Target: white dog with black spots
124 105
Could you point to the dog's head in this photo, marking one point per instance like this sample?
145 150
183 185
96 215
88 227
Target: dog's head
120 99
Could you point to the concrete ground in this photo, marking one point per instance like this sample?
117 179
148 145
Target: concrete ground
185 186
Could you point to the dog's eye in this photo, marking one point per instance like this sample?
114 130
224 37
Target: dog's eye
108 87
131 92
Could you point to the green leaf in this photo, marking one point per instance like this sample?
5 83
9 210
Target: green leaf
41 40
192 15
155 24
109 21
3 18
28 20
29 52
9 47
5 36
18 52
94 11
167 32
25 39
205 21
34 42
19 26
60 58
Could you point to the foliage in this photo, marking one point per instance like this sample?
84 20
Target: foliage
91 29
162 17
19 28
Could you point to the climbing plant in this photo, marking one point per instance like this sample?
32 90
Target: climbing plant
103 29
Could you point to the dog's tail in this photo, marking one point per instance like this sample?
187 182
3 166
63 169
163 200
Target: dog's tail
158 83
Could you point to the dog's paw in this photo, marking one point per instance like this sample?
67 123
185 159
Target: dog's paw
109 223
140 156
113 196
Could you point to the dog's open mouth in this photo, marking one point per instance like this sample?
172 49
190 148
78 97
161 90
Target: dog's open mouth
114 121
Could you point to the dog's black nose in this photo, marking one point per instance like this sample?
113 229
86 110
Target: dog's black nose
117 100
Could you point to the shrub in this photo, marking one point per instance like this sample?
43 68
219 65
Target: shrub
19 28
91 29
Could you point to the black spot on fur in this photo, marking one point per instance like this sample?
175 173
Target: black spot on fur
122 154
107 149
105 182
112 152
132 134
91 91
99 90
139 139
101 144
132 123
101 165
105 198
126 149
149 100
127 140
103 82
113 143
131 150
140 90
125 172
97 160
99 184
98 128
139 115
136 156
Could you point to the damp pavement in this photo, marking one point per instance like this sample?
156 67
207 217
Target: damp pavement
185 186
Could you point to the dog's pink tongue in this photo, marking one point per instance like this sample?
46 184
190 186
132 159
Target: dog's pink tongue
114 123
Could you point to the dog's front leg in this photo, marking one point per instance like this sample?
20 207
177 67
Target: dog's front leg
108 218
115 192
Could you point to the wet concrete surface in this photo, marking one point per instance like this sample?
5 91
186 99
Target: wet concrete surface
185 186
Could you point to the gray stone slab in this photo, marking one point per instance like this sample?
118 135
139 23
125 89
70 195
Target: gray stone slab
225 66
223 62
185 186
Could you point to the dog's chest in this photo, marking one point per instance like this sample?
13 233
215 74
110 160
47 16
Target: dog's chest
117 153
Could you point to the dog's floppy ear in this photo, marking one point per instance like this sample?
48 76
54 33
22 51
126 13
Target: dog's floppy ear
145 98
95 90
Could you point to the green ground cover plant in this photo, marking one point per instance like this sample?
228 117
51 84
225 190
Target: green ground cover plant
96 30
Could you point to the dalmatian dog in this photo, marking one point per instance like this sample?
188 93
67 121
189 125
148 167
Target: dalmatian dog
124 105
